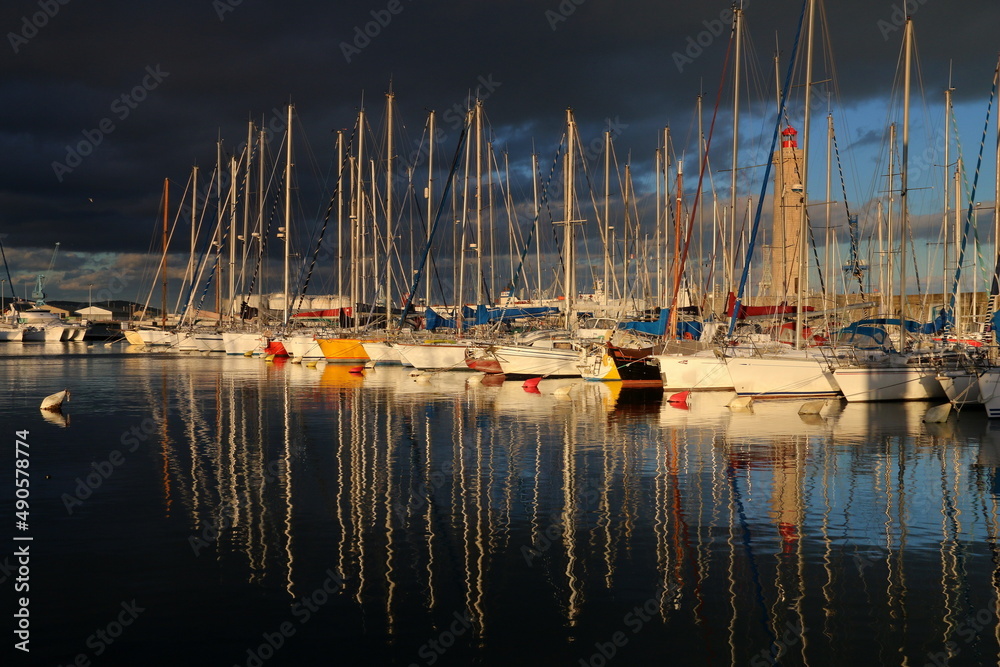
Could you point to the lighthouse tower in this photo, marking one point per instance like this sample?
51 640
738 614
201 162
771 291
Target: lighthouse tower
789 212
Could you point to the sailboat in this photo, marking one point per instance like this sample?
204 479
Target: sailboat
895 376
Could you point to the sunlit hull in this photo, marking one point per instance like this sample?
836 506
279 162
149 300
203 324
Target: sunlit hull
442 356
528 361
303 347
694 372
236 342
888 384
382 352
342 349
782 377
961 387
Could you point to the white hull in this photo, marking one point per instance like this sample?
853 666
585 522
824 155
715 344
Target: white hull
159 337
794 375
694 372
303 347
889 383
48 334
236 342
209 342
961 387
434 357
537 361
989 391
10 335
186 342
382 353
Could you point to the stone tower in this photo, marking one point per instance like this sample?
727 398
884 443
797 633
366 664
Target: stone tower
789 210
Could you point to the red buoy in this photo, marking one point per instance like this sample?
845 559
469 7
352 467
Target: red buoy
531 383
356 370
681 397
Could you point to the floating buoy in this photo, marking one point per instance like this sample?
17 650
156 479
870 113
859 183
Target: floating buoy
296 360
563 391
311 364
248 353
531 382
54 402
938 414
356 370
812 407
741 403
270 358
680 397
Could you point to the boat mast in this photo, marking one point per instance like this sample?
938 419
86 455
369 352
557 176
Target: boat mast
163 262
390 96
903 199
232 236
675 286
537 209
479 202
288 210
738 30
569 235
802 284
947 183
340 224
607 209
995 282
429 196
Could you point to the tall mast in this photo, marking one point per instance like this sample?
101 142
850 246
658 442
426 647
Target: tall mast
479 202
569 236
802 284
194 229
537 209
287 230
904 168
607 209
163 262
388 211
995 282
947 181
701 164
658 288
829 193
958 232
738 29
675 286
232 235
430 197
194 221
340 223
360 219
662 296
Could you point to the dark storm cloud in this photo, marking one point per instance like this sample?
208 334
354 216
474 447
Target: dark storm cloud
74 73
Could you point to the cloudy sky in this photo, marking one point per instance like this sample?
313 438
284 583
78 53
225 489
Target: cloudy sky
100 102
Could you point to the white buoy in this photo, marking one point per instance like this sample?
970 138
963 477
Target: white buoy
938 414
741 403
812 407
563 390
54 402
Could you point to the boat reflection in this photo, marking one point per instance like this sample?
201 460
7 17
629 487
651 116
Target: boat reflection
431 494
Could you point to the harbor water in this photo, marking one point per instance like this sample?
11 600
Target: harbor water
212 510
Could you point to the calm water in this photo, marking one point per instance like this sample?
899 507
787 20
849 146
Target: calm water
271 514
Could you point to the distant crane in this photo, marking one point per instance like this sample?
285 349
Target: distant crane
39 292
